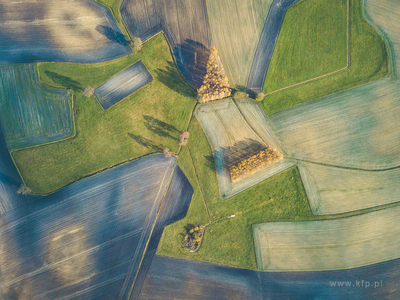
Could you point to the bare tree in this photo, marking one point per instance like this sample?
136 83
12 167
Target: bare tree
184 138
88 91
166 152
136 44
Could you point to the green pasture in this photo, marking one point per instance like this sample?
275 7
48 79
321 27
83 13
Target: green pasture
235 28
368 57
330 244
332 190
143 123
229 241
312 42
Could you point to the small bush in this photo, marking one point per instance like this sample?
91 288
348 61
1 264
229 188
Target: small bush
136 44
260 96
88 91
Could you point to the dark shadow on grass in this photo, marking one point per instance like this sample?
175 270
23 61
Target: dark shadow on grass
210 162
145 142
191 58
112 35
159 127
64 80
171 78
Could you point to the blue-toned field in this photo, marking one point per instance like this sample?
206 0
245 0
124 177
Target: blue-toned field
30 112
122 85
171 278
58 30
87 240
184 23
266 44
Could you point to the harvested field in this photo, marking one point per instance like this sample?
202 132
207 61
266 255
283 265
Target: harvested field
90 236
10 181
266 44
260 123
333 190
30 112
59 30
185 25
330 244
122 85
168 275
357 128
235 31
171 278
233 140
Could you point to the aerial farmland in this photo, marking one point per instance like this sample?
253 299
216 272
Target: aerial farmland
199 149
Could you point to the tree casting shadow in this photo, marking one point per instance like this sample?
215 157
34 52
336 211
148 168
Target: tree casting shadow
64 80
191 58
145 142
159 127
171 78
112 35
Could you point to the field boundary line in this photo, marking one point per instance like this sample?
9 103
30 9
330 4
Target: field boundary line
188 125
278 142
331 73
200 189
343 167
385 38
154 225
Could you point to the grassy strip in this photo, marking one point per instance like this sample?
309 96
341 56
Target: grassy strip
142 123
114 6
368 62
230 241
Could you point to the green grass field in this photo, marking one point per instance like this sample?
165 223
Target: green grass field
312 42
140 124
230 241
368 61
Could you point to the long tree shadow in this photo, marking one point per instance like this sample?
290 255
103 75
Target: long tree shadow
240 151
191 58
170 77
112 35
159 127
145 142
64 80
